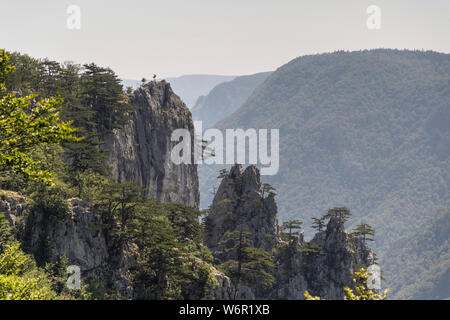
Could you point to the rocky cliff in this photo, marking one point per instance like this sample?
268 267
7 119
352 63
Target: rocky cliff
241 203
140 151
323 266
76 234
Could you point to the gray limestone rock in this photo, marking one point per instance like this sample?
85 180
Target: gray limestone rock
140 151
323 266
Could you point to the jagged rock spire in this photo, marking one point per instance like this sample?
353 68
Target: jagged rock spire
239 204
323 266
140 151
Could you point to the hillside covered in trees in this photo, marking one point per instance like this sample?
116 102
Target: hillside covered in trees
417 266
131 233
367 129
225 98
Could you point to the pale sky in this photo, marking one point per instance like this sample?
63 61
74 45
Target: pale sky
234 37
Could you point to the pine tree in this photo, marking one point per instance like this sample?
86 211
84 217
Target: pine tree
293 226
365 231
361 290
341 213
318 224
25 123
267 188
222 173
251 265
103 93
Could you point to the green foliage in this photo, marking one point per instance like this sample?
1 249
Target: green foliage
103 96
417 266
252 266
222 173
318 224
166 239
119 203
310 297
20 279
293 227
311 249
91 99
24 123
57 272
224 202
185 222
267 188
341 213
172 261
364 230
368 129
361 291
160 260
50 200
6 232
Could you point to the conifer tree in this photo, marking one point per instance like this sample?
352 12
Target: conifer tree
318 224
267 188
26 122
293 227
365 231
341 213
250 265
222 173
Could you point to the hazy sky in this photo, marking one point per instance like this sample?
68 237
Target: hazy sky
175 37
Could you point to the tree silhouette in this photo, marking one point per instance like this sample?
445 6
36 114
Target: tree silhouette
222 174
250 265
267 188
365 231
293 226
318 224
341 213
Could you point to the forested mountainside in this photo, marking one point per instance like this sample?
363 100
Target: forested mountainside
421 262
106 199
367 129
188 87
225 98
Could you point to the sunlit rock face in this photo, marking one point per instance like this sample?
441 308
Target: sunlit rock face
140 152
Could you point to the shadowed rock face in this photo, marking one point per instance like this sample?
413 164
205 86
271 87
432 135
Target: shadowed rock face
323 266
140 151
326 270
239 204
75 234
12 205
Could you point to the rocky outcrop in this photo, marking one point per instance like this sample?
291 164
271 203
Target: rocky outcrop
323 266
225 290
240 204
77 234
12 205
140 151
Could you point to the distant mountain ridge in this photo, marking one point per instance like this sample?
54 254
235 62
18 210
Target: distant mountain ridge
368 130
188 87
419 265
225 98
